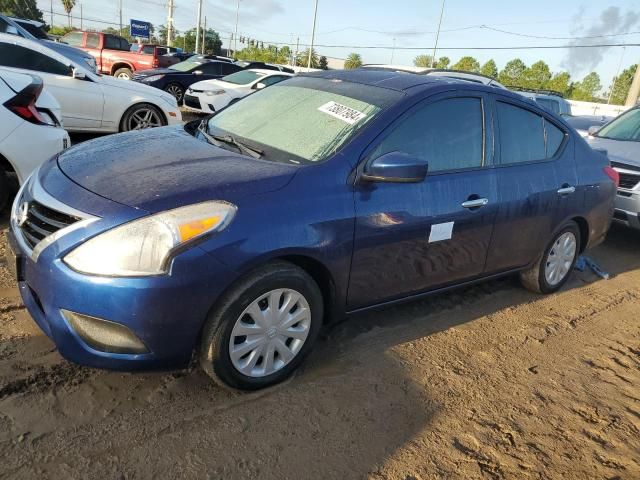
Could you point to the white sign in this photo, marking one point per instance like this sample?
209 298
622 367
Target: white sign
344 113
441 231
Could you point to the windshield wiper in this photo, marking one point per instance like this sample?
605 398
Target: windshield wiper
229 140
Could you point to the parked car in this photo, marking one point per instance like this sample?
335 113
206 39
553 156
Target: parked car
548 99
439 72
583 123
209 96
620 138
14 26
113 53
200 57
240 235
30 129
250 65
159 52
177 78
90 102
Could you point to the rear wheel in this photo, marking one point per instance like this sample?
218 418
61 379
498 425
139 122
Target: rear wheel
123 73
554 267
142 116
263 328
176 90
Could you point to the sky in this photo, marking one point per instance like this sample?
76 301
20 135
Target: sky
409 23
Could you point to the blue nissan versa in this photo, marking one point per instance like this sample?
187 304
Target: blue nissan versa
237 237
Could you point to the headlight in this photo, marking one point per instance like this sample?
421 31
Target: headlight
211 93
144 246
153 78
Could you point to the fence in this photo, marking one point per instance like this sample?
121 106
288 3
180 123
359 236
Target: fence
596 109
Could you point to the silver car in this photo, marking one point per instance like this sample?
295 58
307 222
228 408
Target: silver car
621 139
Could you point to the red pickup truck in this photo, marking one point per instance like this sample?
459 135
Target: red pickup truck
115 56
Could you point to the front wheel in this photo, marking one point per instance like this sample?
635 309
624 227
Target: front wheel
553 268
142 116
263 328
176 90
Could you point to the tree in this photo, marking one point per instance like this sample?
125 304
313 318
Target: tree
467 64
303 59
443 62
537 76
560 83
323 63
621 85
511 74
586 89
212 42
68 6
22 9
354 60
490 69
423 61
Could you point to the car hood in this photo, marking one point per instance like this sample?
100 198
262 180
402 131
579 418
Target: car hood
139 88
618 150
164 168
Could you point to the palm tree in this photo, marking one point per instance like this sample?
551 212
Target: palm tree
68 6
354 60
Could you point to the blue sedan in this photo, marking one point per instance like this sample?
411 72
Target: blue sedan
236 238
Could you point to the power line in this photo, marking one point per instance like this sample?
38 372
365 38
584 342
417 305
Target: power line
486 27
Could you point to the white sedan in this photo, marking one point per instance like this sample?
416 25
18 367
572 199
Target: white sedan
209 96
90 102
30 129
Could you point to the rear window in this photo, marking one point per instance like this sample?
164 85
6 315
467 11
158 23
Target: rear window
73 39
148 49
244 77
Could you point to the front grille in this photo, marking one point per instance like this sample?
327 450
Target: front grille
628 180
41 222
193 102
623 166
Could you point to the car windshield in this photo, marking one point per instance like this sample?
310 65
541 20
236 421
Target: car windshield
185 66
303 120
626 127
245 77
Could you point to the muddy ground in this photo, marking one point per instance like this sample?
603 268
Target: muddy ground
487 382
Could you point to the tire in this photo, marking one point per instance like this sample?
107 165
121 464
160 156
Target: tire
4 189
280 279
141 116
123 73
536 278
176 90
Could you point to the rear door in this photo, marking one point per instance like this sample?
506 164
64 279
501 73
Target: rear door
537 183
415 237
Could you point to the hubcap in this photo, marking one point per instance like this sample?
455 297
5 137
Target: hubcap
175 91
560 258
270 333
144 118
126 76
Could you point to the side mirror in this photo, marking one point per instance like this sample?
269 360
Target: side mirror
77 74
593 130
259 86
198 72
396 167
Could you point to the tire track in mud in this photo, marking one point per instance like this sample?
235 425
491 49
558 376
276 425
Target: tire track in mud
46 379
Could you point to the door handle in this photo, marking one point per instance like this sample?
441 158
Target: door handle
566 190
476 203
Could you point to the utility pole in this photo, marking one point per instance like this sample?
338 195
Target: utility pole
235 36
204 34
120 10
313 34
81 17
435 46
634 91
52 13
170 25
198 26
393 51
295 58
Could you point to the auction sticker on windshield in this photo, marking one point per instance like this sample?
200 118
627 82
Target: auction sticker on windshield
344 113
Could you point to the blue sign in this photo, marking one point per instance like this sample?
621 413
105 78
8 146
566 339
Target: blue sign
140 29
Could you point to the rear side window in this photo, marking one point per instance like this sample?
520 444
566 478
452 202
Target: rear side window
550 105
212 68
229 68
17 56
73 39
526 136
448 134
148 49
124 45
93 40
115 43
161 51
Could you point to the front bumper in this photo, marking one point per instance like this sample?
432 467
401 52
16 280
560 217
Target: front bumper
627 208
165 312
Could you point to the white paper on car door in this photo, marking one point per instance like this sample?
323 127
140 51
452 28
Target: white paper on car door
441 231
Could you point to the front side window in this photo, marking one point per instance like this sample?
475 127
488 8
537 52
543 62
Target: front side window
111 42
73 38
304 120
626 127
17 56
448 134
228 68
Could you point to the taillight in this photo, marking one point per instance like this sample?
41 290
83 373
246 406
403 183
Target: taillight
613 174
156 62
24 103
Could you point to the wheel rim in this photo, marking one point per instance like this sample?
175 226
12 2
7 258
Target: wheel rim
176 91
270 333
144 118
560 258
124 75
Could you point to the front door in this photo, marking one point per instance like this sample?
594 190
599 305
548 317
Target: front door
415 237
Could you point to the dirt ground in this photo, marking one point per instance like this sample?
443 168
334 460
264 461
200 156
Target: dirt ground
487 382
